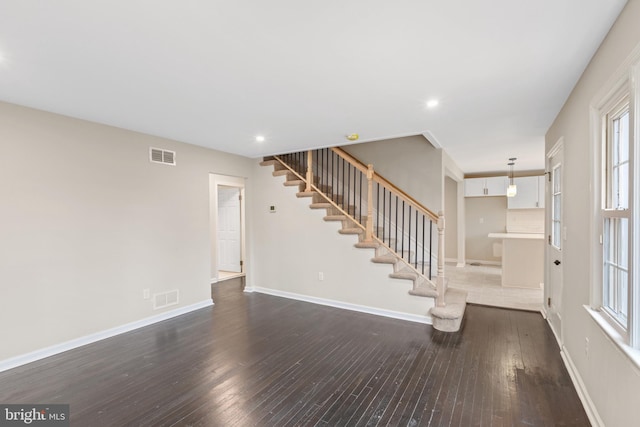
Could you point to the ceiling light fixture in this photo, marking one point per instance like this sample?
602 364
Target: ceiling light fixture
353 137
512 190
260 138
432 103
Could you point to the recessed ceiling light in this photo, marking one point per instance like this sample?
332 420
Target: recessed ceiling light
432 103
353 137
260 138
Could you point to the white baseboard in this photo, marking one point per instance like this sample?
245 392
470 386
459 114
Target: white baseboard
587 403
88 339
455 261
482 261
576 379
344 305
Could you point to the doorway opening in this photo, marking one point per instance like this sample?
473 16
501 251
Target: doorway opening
227 227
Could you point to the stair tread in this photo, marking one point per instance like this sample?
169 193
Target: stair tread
280 172
456 301
305 193
424 292
269 162
404 275
354 230
385 259
320 205
294 182
335 218
367 245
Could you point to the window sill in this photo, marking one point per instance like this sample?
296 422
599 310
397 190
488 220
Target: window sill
632 354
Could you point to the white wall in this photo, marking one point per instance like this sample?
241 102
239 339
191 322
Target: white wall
411 163
87 223
484 215
609 378
451 212
295 244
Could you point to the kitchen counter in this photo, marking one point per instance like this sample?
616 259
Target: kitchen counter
522 259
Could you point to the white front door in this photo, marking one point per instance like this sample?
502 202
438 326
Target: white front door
555 241
229 235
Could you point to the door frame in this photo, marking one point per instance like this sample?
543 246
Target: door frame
554 317
233 197
215 181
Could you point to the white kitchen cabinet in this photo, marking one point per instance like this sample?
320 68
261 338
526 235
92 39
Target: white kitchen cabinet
474 187
483 187
530 193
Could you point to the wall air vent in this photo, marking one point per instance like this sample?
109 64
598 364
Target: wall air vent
158 155
165 299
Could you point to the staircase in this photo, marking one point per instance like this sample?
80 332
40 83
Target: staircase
400 231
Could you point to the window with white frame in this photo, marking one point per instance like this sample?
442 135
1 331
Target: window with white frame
556 206
616 215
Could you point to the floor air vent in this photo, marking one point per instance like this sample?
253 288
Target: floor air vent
165 299
166 157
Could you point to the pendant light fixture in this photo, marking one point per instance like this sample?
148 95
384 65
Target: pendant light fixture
512 190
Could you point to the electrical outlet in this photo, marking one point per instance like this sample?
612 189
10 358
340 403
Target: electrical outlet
146 293
320 276
481 220
586 347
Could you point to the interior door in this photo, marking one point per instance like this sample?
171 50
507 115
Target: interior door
555 242
229 233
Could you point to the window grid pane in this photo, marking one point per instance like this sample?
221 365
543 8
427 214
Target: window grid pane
617 180
616 268
556 207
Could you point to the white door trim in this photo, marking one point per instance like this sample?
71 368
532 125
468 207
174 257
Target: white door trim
216 180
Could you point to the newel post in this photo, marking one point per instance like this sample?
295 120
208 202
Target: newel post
440 282
368 237
309 170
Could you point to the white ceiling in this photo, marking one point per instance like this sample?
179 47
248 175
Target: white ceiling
306 73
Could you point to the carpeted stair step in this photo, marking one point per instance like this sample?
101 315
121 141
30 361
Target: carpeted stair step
385 259
351 230
271 162
424 291
367 245
326 189
305 193
335 199
338 217
449 317
321 205
293 182
404 274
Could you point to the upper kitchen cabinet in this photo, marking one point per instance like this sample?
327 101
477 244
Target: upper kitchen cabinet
483 187
530 193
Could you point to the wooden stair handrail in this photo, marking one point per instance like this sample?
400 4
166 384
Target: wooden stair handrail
382 180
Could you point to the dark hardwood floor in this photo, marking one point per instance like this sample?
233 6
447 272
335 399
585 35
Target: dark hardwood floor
260 360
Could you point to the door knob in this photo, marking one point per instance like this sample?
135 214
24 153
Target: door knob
556 262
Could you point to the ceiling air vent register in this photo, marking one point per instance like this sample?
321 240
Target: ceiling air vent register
166 157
